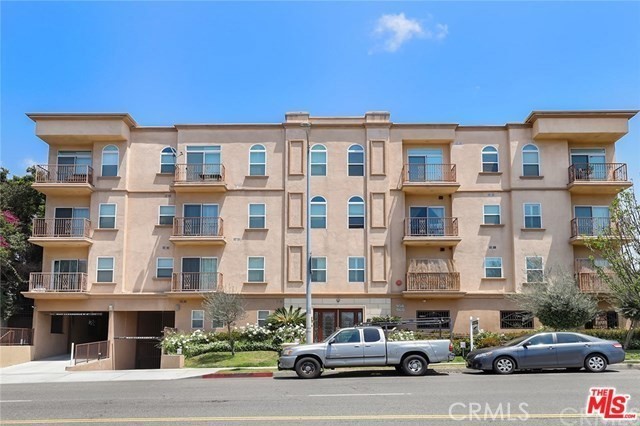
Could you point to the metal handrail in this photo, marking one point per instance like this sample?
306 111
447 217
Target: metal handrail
199 173
86 352
429 173
431 227
11 336
196 281
58 282
72 173
61 228
197 226
598 172
589 226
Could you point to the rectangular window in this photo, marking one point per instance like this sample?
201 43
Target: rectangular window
107 216
255 269
262 318
532 216
164 267
356 269
433 320
197 319
105 270
534 268
493 267
167 213
603 320
492 214
257 216
516 319
318 269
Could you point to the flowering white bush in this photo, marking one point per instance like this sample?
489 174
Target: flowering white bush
255 333
289 334
400 335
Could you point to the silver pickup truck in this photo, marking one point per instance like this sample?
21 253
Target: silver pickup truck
364 347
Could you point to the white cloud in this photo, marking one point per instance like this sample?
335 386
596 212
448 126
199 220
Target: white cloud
398 29
28 162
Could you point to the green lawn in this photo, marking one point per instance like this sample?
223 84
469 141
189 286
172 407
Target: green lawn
241 359
633 354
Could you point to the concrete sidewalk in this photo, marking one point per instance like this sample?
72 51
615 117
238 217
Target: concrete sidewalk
52 370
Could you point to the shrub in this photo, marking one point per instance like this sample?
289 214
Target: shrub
286 317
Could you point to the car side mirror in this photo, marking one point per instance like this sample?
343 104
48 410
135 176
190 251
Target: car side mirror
526 344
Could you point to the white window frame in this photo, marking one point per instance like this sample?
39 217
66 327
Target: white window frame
484 214
264 319
113 268
493 267
263 269
358 150
158 259
263 216
537 151
326 267
527 270
326 159
363 269
115 215
197 319
160 215
110 152
482 162
364 211
257 148
524 215
324 203
164 154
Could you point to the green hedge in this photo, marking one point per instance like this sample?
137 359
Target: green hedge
224 346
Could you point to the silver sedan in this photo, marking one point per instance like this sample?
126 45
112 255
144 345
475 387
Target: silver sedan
572 351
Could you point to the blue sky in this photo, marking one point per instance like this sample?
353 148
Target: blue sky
166 63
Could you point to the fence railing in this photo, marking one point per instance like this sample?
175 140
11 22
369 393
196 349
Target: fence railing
197 173
431 227
591 282
589 226
197 226
433 281
61 228
58 282
196 281
54 173
16 336
86 352
429 173
598 172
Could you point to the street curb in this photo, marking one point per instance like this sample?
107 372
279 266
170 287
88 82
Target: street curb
233 376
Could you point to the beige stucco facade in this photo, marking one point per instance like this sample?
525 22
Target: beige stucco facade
450 179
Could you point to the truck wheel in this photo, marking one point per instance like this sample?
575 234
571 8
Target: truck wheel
415 365
504 365
595 363
308 368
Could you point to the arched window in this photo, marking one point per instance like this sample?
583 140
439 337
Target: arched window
110 160
318 160
356 160
257 161
356 213
318 212
489 159
530 160
168 160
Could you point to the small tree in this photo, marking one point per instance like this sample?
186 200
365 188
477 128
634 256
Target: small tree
619 245
226 308
558 303
283 316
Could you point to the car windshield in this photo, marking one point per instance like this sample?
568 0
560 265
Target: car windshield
517 340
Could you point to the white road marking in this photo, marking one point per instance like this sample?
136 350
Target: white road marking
359 394
16 400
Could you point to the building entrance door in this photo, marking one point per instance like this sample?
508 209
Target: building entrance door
329 320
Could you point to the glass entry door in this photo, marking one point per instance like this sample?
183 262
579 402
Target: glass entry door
424 165
427 221
204 162
69 221
199 273
591 220
66 274
201 219
589 164
326 321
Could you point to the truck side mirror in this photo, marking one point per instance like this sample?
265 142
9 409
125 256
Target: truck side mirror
332 341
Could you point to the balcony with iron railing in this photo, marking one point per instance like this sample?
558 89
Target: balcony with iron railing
429 179
58 282
196 282
61 232
598 178
199 178
54 179
197 231
433 284
434 231
583 228
591 282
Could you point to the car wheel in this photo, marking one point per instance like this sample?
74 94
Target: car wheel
415 365
308 368
595 363
504 365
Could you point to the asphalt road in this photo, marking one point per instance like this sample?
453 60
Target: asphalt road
343 397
